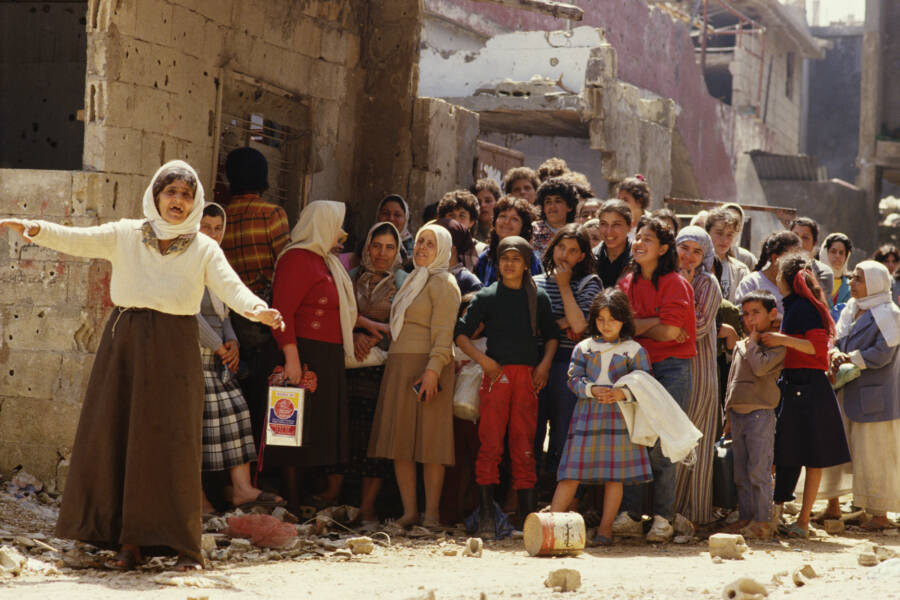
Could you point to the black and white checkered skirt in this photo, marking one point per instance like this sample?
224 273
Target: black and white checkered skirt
227 432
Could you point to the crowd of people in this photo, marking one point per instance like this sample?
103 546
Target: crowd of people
556 295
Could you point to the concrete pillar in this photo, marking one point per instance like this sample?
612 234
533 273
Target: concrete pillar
870 108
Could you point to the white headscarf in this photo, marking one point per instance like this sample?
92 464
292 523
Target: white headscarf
416 280
823 256
878 302
162 228
316 230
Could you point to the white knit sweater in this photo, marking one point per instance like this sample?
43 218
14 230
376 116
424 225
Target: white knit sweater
144 278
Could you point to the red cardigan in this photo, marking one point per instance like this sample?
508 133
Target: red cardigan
304 291
673 302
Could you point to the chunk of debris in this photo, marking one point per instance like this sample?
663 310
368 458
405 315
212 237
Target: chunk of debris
361 545
11 561
834 526
682 526
744 589
563 580
867 559
727 545
207 542
474 547
802 575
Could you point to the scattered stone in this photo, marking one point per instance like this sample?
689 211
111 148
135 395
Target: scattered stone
802 575
282 514
207 542
834 526
884 554
343 553
240 545
717 560
682 526
563 580
273 555
727 545
78 559
867 559
23 541
777 577
219 554
11 561
474 547
23 480
451 552
683 539
306 529
215 524
745 589
361 545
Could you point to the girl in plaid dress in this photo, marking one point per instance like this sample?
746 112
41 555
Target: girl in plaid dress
598 448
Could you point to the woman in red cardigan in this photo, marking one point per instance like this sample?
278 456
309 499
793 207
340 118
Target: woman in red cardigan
314 293
663 305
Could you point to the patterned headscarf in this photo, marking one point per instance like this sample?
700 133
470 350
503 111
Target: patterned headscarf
693 233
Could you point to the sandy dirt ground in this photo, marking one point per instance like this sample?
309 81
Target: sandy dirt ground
419 568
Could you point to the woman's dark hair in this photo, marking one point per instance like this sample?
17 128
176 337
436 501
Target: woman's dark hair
806 222
575 232
486 184
775 245
839 237
881 255
213 210
665 213
638 188
764 297
458 199
527 212
552 167
617 206
557 186
617 302
789 267
517 173
668 262
173 173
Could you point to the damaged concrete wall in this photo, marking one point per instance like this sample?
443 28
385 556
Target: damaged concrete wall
153 67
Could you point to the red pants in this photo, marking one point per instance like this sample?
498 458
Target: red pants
510 400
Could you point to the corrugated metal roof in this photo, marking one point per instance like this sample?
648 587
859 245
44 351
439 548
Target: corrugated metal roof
786 166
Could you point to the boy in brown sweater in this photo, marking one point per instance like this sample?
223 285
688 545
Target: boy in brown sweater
750 403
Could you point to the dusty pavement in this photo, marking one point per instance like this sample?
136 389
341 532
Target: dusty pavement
420 567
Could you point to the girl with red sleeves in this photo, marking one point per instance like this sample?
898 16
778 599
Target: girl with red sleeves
808 432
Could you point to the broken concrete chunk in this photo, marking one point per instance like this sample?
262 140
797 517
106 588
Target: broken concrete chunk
727 545
682 526
11 561
744 589
563 580
240 545
361 545
207 542
283 514
834 526
867 559
884 554
474 547
450 552
802 575
682 539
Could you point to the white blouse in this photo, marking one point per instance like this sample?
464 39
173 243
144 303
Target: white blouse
142 277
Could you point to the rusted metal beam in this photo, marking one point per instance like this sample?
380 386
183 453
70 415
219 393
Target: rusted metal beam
560 10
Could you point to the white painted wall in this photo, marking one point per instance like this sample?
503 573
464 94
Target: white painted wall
517 56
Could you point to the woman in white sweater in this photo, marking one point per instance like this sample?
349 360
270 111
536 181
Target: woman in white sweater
134 479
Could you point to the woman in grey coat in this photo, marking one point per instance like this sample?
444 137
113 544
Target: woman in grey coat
868 335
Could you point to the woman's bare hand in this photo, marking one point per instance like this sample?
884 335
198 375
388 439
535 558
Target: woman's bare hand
267 316
429 389
362 344
293 372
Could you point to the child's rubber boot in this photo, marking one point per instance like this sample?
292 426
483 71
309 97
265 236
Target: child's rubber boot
527 504
487 520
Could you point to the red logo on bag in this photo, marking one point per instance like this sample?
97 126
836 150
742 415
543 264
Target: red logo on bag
283 408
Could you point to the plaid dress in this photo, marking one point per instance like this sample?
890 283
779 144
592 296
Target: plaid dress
598 447
227 433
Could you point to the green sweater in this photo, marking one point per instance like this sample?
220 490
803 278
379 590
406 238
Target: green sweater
507 325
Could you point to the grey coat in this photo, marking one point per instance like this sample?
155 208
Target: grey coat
875 396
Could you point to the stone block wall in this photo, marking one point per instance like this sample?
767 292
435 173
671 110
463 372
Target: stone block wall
152 80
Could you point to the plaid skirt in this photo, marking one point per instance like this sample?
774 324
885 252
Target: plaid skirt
598 447
227 431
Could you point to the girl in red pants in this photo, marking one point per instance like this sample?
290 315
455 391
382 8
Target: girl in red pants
517 317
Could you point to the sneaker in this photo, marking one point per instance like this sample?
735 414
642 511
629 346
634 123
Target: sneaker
625 526
660 531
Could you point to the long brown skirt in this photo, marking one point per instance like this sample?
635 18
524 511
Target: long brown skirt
326 423
405 428
135 469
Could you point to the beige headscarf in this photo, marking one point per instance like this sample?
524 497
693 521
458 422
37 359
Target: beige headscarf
416 280
319 224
